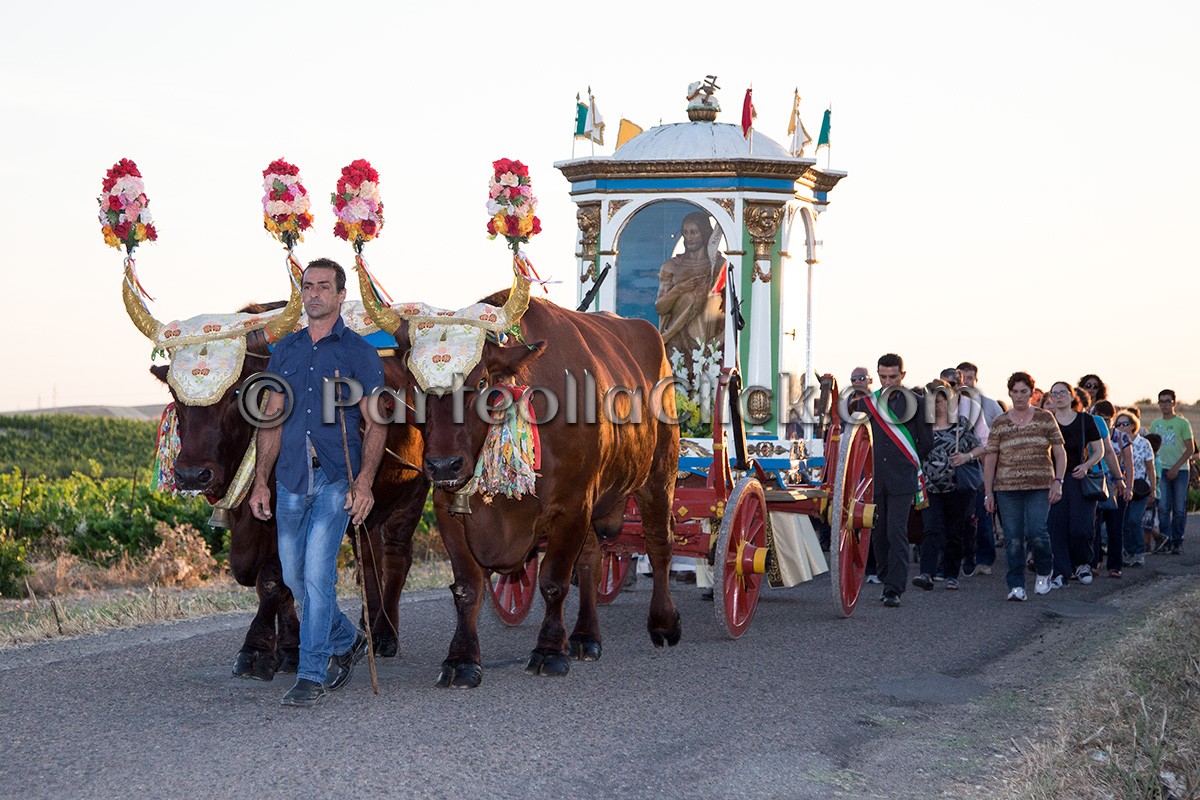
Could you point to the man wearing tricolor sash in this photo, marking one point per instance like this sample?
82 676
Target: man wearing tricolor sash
901 441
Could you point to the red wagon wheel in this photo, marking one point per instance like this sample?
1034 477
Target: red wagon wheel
615 566
852 512
741 556
613 569
512 595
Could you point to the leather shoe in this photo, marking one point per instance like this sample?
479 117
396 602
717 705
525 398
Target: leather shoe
342 666
305 694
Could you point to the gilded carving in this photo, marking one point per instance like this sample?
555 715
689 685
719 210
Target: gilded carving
614 206
763 221
588 219
725 203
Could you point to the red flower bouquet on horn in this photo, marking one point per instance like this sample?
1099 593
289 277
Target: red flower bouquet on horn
285 203
511 204
124 208
357 205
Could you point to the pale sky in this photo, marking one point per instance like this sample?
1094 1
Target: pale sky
1022 186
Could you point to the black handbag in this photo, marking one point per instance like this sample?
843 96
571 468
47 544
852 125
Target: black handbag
1094 485
968 477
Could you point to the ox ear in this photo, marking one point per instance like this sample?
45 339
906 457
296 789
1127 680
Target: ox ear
160 371
503 362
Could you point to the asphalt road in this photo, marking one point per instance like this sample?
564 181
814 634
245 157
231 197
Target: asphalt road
911 702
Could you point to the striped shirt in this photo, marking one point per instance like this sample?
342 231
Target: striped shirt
1023 451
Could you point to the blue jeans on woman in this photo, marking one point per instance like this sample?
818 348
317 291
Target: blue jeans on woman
1072 522
1023 515
311 527
1135 541
1172 505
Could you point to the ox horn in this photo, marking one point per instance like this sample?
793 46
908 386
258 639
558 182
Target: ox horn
518 299
381 315
285 323
143 320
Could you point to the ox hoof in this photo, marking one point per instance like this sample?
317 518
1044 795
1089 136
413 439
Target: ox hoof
386 645
669 635
244 665
460 675
287 661
554 663
584 648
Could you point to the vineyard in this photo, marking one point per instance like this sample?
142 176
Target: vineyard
80 488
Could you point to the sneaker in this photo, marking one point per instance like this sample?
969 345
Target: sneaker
1084 574
951 585
939 578
873 579
983 569
305 694
1138 561
1042 585
969 573
1058 583
1177 550
1017 595
342 666
891 600
1114 573
923 581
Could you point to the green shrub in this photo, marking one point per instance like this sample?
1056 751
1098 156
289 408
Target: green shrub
1193 501
12 565
99 519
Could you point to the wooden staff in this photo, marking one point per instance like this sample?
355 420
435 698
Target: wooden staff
358 540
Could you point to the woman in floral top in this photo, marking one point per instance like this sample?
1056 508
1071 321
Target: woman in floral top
1022 478
955 446
1129 420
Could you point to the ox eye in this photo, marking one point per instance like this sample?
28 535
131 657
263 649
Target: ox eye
483 383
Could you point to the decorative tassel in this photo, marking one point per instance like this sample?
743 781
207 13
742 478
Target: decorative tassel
166 450
511 453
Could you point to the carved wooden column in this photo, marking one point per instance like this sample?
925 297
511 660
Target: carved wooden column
588 219
762 222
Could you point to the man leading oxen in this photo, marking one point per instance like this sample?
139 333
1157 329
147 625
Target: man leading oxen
588 464
211 356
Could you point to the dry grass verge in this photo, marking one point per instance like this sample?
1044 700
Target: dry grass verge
71 598
1136 730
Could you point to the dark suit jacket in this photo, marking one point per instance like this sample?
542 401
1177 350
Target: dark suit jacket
894 473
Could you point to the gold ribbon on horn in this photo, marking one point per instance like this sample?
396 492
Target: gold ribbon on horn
143 320
285 323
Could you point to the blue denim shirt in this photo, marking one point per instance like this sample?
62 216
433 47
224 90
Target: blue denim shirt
304 365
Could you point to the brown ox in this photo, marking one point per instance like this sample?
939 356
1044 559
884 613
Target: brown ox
587 472
213 440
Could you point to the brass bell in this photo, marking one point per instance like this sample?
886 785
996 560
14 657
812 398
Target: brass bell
461 504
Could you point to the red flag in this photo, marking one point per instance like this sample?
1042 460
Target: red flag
748 114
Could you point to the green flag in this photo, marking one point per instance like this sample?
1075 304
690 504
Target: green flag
581 114
823 139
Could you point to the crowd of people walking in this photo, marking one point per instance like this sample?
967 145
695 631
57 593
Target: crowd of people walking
1068 483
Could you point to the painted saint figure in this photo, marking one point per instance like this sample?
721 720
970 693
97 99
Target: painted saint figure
689 301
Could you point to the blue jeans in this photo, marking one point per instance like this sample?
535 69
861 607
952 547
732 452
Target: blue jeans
1135 542
1172 505
1023 514
311 527
985 535
1112 522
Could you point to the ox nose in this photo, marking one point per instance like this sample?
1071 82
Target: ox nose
443 468
193 478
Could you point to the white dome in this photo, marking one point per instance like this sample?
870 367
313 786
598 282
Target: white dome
698 140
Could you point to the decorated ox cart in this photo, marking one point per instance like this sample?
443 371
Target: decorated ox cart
689 225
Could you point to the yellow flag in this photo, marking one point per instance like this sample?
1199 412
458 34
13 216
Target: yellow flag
627 131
